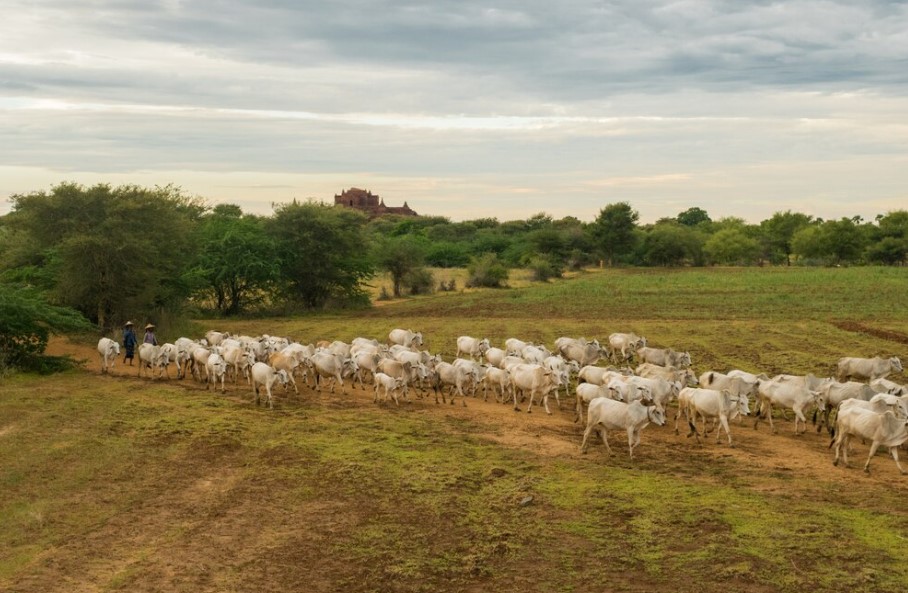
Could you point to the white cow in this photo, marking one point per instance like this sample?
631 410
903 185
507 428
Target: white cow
598 375
494 356
533 354
607 414
659 392
879 403
583 353
710 403
405 337
665 357
654 371
214 338
109 350
587 392
216 368
166 355
184 355
475 371
390 384
473 347
498 379
890 387
453 376
882 429
563 369
790 393
869 369
626 344
397 369
332 366
514 347
149 358
264 375
533 379
834 393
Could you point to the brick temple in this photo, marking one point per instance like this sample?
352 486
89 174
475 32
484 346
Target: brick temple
365 201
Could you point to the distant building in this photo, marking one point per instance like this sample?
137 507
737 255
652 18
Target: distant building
365 201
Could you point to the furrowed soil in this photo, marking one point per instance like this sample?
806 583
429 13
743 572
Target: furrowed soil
115 482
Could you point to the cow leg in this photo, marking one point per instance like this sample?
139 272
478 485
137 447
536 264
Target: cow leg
724 422
604 435
873 448
630 441
895 456
545 403
530 407
799 415
586 435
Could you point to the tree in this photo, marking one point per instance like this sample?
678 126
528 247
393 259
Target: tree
833 241
778 232
731 246
26 322
672 244
401 257
693 217
110 253
321 253
486 271
613 230
236 258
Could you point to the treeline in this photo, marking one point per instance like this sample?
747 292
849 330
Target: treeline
114 253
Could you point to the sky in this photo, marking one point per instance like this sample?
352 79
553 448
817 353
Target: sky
465 109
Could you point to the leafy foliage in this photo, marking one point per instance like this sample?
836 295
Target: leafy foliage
613 230
487 271
26 322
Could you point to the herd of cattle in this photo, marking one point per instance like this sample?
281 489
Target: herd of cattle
615 397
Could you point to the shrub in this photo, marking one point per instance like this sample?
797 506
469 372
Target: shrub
486 271
419 281
544 268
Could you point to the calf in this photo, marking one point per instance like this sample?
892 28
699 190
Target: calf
390 384
265 376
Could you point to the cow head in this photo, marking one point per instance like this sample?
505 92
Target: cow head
655 415
896 364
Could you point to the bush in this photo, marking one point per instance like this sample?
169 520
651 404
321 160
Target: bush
487 271
544 268
419 281
26 322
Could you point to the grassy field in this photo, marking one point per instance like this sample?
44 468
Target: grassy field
120 484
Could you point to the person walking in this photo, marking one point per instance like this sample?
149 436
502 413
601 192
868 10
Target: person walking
129 342
149 335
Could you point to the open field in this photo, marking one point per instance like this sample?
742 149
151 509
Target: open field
121 484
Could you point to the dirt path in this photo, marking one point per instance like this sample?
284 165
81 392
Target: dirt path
759 452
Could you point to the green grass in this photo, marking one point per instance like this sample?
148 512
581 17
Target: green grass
115 484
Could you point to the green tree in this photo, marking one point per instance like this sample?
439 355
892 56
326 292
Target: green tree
26 322
486 271
235 258
613 230
731 246
401 257
693 217
322 252
833 241
778 232
672 244
110 253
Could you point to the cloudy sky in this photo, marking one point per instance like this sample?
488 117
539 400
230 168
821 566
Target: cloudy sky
465 109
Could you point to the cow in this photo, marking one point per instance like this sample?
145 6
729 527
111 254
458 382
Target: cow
397 369
475 371
184 355
626 344
665 357
869 369
215 368
496 378
109 350
405 337
587 392
654 371
563 369
890 387
214 338
366 360
453 376
834 393
583 353
264 375
659 392
532 379
390 384
473 347
882 429
607 414
514 347
710 403
494 356
793 393
334 367
285 362
879 403
149 357
533 354
598 375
